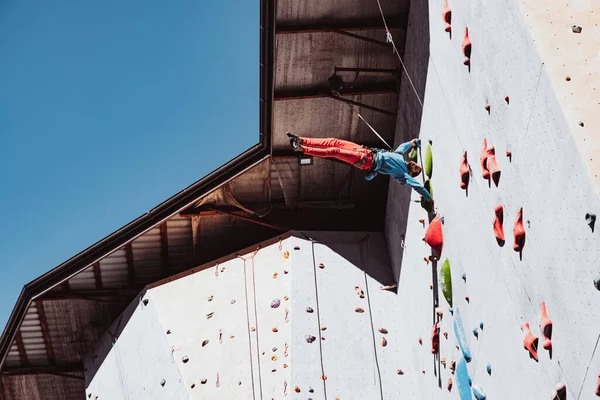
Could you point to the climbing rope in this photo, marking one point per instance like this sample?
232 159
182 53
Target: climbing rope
390 39
249 327
373 129
314 261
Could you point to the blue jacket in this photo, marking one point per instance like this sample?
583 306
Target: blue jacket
393 164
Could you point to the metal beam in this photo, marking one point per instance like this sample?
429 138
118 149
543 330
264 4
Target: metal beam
39 305
231 214
113 296
229 210
320 92
98 275
65 371
130 265
398 21
312 92
21 348
164 249
393 71
361 105
359 37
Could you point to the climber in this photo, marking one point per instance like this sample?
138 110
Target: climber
372 160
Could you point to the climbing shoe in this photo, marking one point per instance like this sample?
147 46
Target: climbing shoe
293 141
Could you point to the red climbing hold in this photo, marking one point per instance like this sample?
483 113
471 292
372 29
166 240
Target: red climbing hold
464 172
466 47
483 159
433 236
546 328
492 165
560 392
447 17
598 387
498 228
530 342
435 338
519 232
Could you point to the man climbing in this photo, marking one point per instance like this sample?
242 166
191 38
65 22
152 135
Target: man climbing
369 159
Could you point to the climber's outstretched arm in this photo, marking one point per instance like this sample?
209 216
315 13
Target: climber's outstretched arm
404 147
412 182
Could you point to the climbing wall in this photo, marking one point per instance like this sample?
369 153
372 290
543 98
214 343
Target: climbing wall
223 331
504 96
312 316
133 359
347 342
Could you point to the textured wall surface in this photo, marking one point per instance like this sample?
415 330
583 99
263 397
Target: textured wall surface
572 62
547 177
322 340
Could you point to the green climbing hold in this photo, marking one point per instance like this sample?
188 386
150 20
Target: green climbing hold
424 203
413 155
428 187
446 283
428 161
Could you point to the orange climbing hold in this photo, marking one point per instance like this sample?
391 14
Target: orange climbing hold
435 338
483 159
447 17
546 328
519 232
498 228
464 172
530 342
466 47
492 165
434 236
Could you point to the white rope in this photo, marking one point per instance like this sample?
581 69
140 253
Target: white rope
390 39
374 131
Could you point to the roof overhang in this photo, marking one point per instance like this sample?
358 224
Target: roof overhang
171 206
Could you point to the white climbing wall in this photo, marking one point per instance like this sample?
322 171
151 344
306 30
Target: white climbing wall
322 340
133 360
547 177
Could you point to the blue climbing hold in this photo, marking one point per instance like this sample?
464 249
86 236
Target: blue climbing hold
459 331
464 276
481 325
478 393
488 368
463 380
451 310
475 333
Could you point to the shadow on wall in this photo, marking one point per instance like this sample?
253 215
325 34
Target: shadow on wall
408 124
94 359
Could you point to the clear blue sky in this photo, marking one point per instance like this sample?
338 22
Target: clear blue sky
109 108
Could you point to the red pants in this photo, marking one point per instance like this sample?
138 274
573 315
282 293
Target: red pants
342 150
